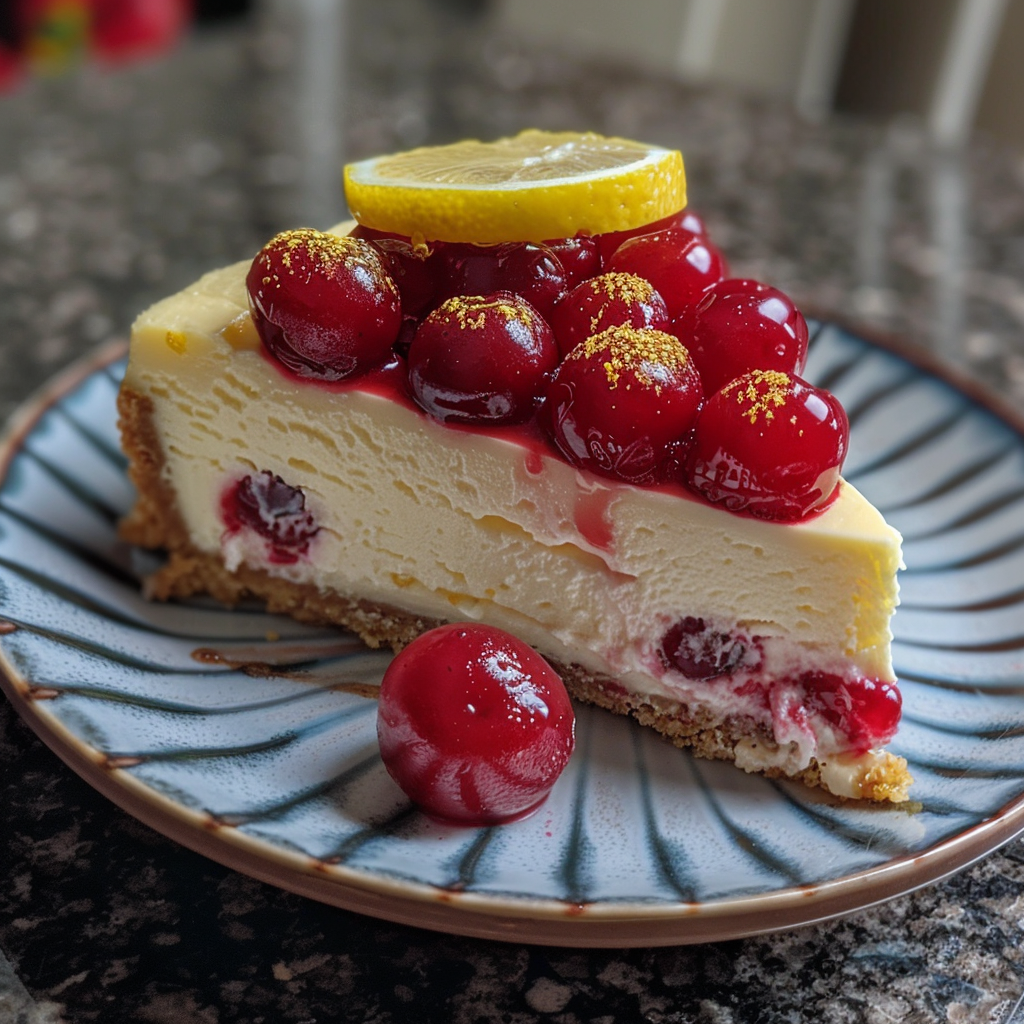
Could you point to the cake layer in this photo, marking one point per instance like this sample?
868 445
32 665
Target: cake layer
447 523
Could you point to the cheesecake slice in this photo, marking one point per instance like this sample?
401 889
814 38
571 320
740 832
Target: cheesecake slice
761 642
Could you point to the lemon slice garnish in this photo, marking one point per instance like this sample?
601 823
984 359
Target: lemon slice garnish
530 188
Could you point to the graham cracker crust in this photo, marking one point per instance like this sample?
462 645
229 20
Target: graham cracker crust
155 523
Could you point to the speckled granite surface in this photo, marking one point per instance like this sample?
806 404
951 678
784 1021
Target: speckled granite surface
117 188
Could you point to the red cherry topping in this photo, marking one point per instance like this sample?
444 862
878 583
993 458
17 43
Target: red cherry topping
579 256
771 445
606 301
275 510
700 652
680 265
481 359
412 270
743 325
473 724
623 402
611 240
323 304
866 711
533 272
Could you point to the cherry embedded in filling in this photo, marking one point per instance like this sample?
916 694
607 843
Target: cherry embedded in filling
481 360
865 711
700 652
770 445
324 305
473 724
623 403
275 510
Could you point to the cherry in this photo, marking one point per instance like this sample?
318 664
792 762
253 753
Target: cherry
680 264
473 724
481 359
701 652
685 218
866 711
579 256
275 510
414 273
323 304
606 301
533 272
769 444
623 402
743 325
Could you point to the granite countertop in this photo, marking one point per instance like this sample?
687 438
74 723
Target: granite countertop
118 187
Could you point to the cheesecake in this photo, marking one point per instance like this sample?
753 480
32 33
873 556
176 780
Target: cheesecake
345 498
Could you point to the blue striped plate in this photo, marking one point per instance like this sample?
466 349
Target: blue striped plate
275 770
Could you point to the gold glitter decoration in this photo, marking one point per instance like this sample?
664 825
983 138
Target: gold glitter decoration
649 355
470 311
310 251
766 391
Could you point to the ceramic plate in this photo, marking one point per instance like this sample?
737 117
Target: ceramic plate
274 770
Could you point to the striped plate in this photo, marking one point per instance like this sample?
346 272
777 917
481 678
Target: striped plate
276 772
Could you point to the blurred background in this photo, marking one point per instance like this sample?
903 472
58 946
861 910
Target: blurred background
865 155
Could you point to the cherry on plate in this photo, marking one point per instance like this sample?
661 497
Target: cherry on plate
474 725
769 444
323 304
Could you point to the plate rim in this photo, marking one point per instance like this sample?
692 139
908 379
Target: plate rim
542 921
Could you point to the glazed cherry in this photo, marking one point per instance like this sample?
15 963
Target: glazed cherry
743 325
685 218
323 304
474 725
606 301
700 652
682 266
482 360
580 257
866 711
623 402
769 444
533 272
275 510
414 273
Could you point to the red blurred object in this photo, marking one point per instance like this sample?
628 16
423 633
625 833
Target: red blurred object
123 30
49 36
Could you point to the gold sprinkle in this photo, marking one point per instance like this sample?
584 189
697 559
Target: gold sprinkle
643 351
470 311
763 391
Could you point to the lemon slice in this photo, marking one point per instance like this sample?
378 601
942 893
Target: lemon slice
530 188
